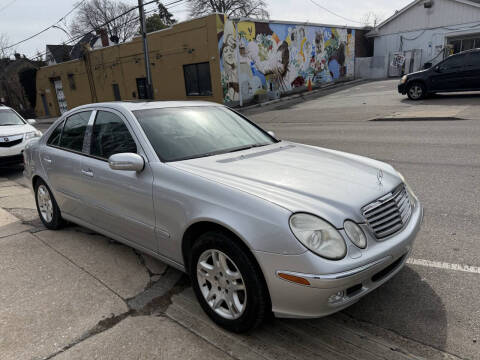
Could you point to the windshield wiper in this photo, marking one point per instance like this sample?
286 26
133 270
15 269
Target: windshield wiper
247 147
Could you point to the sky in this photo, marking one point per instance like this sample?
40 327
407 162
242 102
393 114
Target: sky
21 18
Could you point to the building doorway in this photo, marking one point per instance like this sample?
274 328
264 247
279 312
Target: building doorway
142 88
45 105
62 102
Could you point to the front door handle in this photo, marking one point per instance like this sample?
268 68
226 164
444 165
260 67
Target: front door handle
88 172
47 160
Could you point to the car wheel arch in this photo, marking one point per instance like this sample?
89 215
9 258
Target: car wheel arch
417 81
35 179
195 230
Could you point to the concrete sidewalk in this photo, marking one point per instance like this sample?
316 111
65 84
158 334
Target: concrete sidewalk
74 294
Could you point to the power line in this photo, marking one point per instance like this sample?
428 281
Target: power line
333 13
47 28
78 37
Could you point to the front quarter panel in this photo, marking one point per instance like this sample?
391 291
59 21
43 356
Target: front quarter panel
182 199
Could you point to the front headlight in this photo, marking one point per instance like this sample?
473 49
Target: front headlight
404 79
33 134
355 234
318 236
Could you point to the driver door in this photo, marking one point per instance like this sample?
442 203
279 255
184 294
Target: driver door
450 75
119 202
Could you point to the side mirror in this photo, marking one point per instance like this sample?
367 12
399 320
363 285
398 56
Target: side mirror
272 134
32 121
126 162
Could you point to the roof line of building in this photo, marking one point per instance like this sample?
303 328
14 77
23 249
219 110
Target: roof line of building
401 11
305 23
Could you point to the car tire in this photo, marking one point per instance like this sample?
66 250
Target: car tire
232 293
47 207
416 91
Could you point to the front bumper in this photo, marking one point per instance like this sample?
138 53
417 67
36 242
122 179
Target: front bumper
402 88
381 263
11 159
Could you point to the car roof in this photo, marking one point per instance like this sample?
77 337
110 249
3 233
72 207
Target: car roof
467 51
144 105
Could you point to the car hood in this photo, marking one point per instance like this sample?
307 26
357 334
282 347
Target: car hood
15 129
301 178
418 72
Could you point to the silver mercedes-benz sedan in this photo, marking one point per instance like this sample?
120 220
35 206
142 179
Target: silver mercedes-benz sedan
260 225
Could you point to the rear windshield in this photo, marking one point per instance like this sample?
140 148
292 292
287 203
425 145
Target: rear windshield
10 117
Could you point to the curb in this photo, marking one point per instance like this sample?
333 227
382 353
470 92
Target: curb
302 94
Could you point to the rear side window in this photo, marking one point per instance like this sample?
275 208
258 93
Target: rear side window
110 136
54 139
74 131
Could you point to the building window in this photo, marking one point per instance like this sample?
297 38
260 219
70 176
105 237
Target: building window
142 88
197 79
116 92
71 82
463 43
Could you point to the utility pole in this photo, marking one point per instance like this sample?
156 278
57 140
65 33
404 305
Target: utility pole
143 30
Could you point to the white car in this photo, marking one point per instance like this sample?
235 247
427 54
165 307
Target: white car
15 132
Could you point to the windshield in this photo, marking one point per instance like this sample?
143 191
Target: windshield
10 117
193 132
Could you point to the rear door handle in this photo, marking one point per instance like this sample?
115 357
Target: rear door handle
88 172
47 160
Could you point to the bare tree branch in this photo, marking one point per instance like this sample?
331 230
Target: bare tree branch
232 8
372 18
94 13
4 42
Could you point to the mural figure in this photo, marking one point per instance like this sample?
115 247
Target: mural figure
228 63
276 58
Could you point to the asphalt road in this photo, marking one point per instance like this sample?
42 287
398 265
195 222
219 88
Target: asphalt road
440 159
435 300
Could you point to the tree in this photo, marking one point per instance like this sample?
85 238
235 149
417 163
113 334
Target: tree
4 42
232 8
159 21
93 14
372 19
165 15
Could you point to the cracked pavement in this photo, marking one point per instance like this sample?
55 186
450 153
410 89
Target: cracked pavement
74 294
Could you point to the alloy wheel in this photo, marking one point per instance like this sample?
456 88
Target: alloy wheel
221 284
416 91
45 203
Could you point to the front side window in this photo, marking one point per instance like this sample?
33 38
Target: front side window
197 79
10 117
110 136
193 132
54 138
453 63
74 131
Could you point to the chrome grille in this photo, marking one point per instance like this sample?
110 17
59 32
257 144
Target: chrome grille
390 213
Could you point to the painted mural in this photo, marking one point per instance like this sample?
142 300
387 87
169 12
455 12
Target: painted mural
273 58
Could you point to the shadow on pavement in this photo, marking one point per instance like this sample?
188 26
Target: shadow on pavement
408 306
447 99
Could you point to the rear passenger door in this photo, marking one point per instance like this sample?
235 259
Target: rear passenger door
119 202
62 159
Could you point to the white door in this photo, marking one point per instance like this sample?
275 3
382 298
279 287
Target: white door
62 102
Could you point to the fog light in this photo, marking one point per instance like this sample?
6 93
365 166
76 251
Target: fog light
336 297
